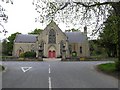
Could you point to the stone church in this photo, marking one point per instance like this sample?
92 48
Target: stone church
52 42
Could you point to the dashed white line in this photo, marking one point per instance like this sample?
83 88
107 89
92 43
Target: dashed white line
49 79
49 83
49 71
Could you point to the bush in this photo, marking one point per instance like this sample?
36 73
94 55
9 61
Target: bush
22 55
29 54
74 54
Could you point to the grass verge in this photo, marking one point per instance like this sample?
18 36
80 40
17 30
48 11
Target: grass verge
109 68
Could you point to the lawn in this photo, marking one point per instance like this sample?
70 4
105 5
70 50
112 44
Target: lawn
109 68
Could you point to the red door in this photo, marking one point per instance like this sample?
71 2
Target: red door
49 54
52 54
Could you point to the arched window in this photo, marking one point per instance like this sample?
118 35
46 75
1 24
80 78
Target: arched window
80 49
52 37
20 51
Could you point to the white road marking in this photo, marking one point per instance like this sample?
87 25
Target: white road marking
49 71
49 65
49 81
25 69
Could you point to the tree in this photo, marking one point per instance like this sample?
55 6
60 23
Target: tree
11 42
36 31
3 19
4 47
108 37
96 49
72 30
70 10
4 16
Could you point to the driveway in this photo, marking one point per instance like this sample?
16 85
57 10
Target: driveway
56 75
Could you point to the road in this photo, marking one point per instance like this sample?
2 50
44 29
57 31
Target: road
56 75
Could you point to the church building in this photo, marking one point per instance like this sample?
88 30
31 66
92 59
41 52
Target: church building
52 42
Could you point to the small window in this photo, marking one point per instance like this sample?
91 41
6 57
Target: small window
81 50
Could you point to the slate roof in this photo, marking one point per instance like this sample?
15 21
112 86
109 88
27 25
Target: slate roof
24 38
75 37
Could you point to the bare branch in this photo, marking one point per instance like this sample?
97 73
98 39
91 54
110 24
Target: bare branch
93 5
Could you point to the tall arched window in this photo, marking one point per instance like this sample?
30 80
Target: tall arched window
52 37
81 50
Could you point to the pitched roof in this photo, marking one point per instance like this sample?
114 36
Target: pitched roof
75 37
24 38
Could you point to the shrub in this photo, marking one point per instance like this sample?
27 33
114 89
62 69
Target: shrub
22 55
74 54
29 54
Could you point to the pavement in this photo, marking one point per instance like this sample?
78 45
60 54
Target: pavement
56 75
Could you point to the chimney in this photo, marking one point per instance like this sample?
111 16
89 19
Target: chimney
85 30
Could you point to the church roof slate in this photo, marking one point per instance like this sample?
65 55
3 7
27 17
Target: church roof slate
24 38
76 37
73 37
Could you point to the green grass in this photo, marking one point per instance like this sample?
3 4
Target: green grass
108 67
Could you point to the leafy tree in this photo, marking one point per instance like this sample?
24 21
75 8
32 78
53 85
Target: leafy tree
7 44
108 37
36 31
72 30
95 49
81 12
4 47
11 42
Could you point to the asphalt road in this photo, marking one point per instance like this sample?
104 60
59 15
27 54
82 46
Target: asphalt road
56 75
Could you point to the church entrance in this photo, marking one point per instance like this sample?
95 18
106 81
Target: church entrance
51 54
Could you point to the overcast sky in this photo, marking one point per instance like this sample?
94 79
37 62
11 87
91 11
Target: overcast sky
21 18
